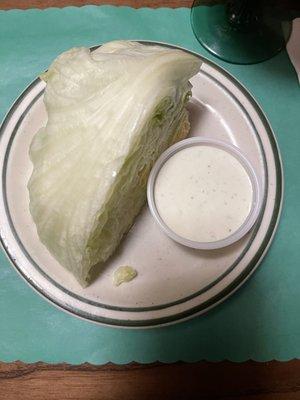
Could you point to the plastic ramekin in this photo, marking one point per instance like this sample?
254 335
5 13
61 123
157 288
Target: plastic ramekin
256 190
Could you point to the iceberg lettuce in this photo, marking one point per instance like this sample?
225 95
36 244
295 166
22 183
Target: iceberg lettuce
111 113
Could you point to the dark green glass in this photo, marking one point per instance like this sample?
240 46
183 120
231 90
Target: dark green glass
239 31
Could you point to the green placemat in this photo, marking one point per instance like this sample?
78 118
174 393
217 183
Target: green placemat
262 320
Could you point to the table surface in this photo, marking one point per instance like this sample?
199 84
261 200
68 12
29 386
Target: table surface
23 4
259 381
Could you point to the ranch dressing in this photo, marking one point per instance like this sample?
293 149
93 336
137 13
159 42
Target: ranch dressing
203 193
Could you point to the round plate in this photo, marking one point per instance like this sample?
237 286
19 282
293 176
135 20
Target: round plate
174 282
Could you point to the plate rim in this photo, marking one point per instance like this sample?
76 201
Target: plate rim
221 295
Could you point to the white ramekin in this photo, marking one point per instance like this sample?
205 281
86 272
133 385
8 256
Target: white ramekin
256 198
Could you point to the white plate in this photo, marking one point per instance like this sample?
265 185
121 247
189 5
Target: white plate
174 282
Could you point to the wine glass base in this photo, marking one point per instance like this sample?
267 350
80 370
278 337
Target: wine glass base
214 31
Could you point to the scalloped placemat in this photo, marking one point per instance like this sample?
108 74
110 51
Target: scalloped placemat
261 321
